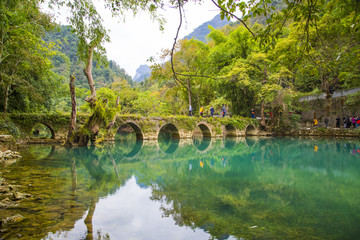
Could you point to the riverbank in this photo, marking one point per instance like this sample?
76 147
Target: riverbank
321 131
7 142
10 194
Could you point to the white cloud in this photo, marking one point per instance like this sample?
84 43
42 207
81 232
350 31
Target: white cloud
139 38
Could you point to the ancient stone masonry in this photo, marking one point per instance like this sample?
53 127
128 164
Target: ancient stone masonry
320 107
144 127
183 127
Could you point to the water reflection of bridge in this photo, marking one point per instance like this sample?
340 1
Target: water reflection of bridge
132 150
127 149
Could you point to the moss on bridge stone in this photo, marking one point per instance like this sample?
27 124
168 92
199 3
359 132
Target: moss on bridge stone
149 126
58 124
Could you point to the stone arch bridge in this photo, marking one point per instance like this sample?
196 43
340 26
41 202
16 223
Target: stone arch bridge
145 128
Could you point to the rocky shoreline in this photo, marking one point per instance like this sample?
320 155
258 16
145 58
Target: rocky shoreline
10 194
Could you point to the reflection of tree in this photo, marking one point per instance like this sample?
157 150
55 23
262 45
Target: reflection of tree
88 220
276 184
97 161
282 184
73 176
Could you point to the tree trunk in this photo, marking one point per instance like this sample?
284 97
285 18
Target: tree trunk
91 129
88 74
72 124
111 124
189 93
262 113
6 101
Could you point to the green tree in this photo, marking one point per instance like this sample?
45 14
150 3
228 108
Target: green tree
25 71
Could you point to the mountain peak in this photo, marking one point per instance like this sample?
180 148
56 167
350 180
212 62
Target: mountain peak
142 72
202 31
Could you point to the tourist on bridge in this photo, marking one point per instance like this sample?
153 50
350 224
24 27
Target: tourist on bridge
338 122
358 121
348 122
190 110
201 111
326 122
353 120
223 111
315 122
212 110
252 113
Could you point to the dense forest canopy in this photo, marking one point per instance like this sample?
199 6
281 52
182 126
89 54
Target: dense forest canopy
278 51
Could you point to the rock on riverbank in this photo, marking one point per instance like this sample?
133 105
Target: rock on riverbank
8 157
9 193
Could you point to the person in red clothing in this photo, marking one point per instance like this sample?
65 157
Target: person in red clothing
223 111
358 121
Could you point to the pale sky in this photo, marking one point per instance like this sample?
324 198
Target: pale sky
139 38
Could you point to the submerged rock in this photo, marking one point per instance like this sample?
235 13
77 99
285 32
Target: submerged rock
6 202
4 189
13 219
8 157
9 194
19 195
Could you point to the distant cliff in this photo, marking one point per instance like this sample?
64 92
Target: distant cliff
67 61
142 72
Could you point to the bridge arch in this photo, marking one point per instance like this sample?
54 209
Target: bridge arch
124 128
131 134
229 131
34 130
168 131
251 130
202 129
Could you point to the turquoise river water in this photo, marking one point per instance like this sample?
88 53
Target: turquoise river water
246 188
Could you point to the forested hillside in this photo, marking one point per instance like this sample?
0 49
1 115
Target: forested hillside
203 30
68 61
314 48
